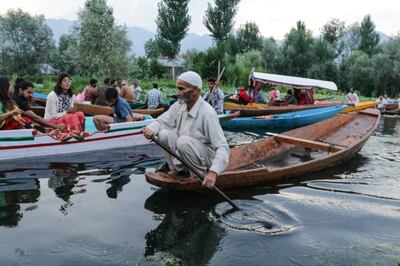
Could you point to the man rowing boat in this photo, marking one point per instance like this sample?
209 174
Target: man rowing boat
191 128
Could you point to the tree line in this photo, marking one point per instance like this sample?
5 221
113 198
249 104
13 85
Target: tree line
349 55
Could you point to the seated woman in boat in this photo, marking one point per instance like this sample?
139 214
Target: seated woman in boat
290 98
90 90
60 105
23 97
241 97
122 111
300 97
381 103
10 114
273 95
352 98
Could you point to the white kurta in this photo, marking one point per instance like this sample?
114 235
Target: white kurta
196 135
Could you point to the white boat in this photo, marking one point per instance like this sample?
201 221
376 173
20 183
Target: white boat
23 144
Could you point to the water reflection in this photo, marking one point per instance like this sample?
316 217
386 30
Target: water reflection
186 230
13 193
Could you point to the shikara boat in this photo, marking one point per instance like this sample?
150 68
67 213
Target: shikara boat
285 121
27 143
92 109
359 106
322 145
254 109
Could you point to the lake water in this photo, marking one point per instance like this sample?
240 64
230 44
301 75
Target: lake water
64 213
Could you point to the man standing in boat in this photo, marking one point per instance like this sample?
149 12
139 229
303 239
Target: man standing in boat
192 129
215 96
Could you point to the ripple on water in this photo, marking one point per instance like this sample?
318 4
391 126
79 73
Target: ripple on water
90 249
255 216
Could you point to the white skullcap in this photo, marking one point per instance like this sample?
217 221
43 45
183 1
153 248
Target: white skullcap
192 78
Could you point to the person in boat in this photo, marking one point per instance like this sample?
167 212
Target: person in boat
122 111
381 103
153 97
300 96
23 97
10 114
90 91
127 92
137 90
114 84
255 94
352 98
60 105
214 96
290 98
100 93
191 128
273 95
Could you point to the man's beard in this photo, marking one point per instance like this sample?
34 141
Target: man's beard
185 99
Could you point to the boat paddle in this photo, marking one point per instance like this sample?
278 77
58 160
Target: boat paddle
193 170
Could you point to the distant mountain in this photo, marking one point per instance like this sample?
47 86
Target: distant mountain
137 35
383 37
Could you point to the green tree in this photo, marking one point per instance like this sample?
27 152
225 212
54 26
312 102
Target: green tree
156 70
324 66
271 55
249 37
358 72
297 51
138 67
239 72
151 48
219 19
67 57
369 37
103 46
25 42
333 30
172 26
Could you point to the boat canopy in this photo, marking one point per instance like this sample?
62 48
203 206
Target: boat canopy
295 82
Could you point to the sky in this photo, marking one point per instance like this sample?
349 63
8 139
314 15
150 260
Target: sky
274 18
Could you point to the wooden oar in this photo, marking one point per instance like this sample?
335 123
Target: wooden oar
191 168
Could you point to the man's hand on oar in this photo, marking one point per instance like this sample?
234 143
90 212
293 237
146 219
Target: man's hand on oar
148 133
209 179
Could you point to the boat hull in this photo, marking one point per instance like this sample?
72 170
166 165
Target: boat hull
348 132
284 121
265 109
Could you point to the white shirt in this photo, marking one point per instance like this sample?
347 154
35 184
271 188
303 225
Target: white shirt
353 98
200 123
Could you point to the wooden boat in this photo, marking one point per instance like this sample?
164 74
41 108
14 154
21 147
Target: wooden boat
92 109
270 159
284 121
153 112
254 109
360 106
40 98
27 143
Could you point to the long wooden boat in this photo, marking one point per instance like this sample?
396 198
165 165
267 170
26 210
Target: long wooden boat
285 121
255 109
271 159
359 106
153 112
92 109
25 143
